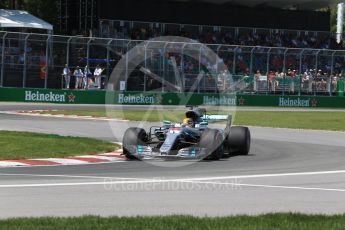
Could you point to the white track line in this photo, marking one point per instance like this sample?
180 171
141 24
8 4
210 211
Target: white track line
194 179
238 185
69 176
11 164
270 175
109 181
167 181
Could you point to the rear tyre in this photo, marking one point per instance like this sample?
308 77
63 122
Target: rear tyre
132 138
238 140
211 140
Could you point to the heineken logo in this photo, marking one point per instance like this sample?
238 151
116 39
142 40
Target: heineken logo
37 96
221 100
44 97
297 102
138 99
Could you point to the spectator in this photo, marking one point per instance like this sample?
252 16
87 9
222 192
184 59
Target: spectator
97 74
271 78
78 78
66 73
87 77
257 75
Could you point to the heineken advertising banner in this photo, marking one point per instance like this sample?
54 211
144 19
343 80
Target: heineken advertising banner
52 96
139 98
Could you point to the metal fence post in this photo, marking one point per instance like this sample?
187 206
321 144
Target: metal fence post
300 71
86 16
3 60
126 70
251 68
218 57
145 63
92 3
267 68
332 72
163 75
80 9
284 68
317 59
108 56
88 51
316 67
87 61
200 69
268 60
182 80
24 56
251 61
47 62
234 62
67 53
67 57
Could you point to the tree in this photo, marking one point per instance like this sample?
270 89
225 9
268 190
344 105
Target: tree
44 9
334 19
6 4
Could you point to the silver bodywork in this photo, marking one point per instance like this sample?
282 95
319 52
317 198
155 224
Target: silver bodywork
179 142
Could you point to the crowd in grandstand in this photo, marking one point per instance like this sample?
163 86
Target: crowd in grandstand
276 39
298 71
310 80
248 39
311 70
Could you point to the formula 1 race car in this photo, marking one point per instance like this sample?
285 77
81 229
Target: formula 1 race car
192 139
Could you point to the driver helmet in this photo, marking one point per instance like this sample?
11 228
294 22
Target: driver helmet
188 122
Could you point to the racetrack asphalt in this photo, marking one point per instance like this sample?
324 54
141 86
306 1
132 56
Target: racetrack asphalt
286 171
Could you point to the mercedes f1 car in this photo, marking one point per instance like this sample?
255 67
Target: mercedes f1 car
192 139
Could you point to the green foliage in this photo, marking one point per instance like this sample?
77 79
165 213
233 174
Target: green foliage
5 4
45 9
334 19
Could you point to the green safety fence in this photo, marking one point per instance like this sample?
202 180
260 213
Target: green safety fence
140 98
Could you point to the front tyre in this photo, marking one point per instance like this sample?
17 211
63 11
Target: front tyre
131 139
238 140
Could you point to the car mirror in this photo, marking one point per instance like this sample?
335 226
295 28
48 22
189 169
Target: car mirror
203 123
165 122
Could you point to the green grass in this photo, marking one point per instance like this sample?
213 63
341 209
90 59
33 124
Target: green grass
262 222
283 119
297 120
133 115
24 145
